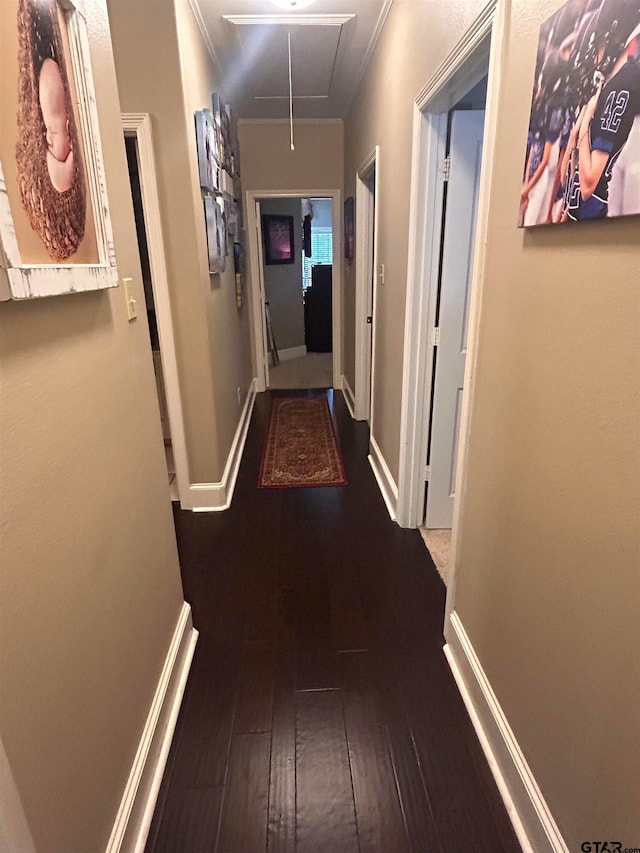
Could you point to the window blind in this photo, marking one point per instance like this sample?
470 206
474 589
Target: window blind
321 253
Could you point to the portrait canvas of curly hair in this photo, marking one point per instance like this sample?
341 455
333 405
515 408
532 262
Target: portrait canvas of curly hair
42 150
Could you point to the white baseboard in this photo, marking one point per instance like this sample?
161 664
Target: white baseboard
381 471
292 352
131 828
215 497
532 821
349 398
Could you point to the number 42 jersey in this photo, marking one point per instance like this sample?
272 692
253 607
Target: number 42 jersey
615 113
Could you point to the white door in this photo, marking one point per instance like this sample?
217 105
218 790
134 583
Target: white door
371 269
263 354
465 149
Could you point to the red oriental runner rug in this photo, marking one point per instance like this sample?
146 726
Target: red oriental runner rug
301 448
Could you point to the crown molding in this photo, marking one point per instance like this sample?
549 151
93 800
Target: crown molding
290 20
382 18
197 14
246 121
295 97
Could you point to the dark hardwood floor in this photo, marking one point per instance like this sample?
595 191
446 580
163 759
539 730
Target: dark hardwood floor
320 713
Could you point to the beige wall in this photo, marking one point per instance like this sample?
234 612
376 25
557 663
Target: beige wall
547 582
149 80
414 41
549 585
269 164
169 74
90 587
283 282
228 329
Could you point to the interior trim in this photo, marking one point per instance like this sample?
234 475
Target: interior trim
529 813
133 820
384 478
290 20
138 125
216 497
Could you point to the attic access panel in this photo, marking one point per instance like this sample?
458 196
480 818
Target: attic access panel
314 50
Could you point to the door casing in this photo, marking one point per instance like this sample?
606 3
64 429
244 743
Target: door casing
258 338
465 135
366 279
138 125
478 53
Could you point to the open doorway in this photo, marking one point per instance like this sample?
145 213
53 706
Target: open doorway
298 292
451 181
464 142
144 191
366 266
296 300
143 249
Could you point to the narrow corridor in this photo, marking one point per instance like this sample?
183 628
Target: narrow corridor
320 713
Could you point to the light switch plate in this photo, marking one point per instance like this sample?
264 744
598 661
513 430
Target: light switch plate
132 302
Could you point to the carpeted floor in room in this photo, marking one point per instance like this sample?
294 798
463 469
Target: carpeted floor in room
313 370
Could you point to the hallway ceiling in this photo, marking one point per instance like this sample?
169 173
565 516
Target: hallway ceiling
331 44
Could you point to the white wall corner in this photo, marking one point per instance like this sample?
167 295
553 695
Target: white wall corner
349 396
15 835
133 820
384 478
531 818
215 497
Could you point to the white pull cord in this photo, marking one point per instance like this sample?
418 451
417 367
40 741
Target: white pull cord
290 94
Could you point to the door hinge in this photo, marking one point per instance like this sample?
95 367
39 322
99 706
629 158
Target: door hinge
369 320
435 337
446 169
426 473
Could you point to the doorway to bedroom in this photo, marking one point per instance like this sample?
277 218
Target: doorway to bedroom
298 292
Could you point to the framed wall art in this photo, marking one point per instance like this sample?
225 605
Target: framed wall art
277 235
216 236
206 139
583 148
349 228
55 228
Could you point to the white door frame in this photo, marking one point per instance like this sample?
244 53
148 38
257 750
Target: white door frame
481 46
138 125
253 243
367 217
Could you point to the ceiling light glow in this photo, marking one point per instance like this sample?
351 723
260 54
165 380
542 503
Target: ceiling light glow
292 5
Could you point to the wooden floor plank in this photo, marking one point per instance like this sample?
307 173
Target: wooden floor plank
435 717
190 821
288 735
243 825
281 830
378 810
206 719
416 802
325 815
316 657
254 702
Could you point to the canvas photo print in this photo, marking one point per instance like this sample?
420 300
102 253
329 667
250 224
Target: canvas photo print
216 236
206 138
583 147
277 236
41 146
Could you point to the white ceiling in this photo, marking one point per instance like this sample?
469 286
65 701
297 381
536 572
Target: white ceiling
331 44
